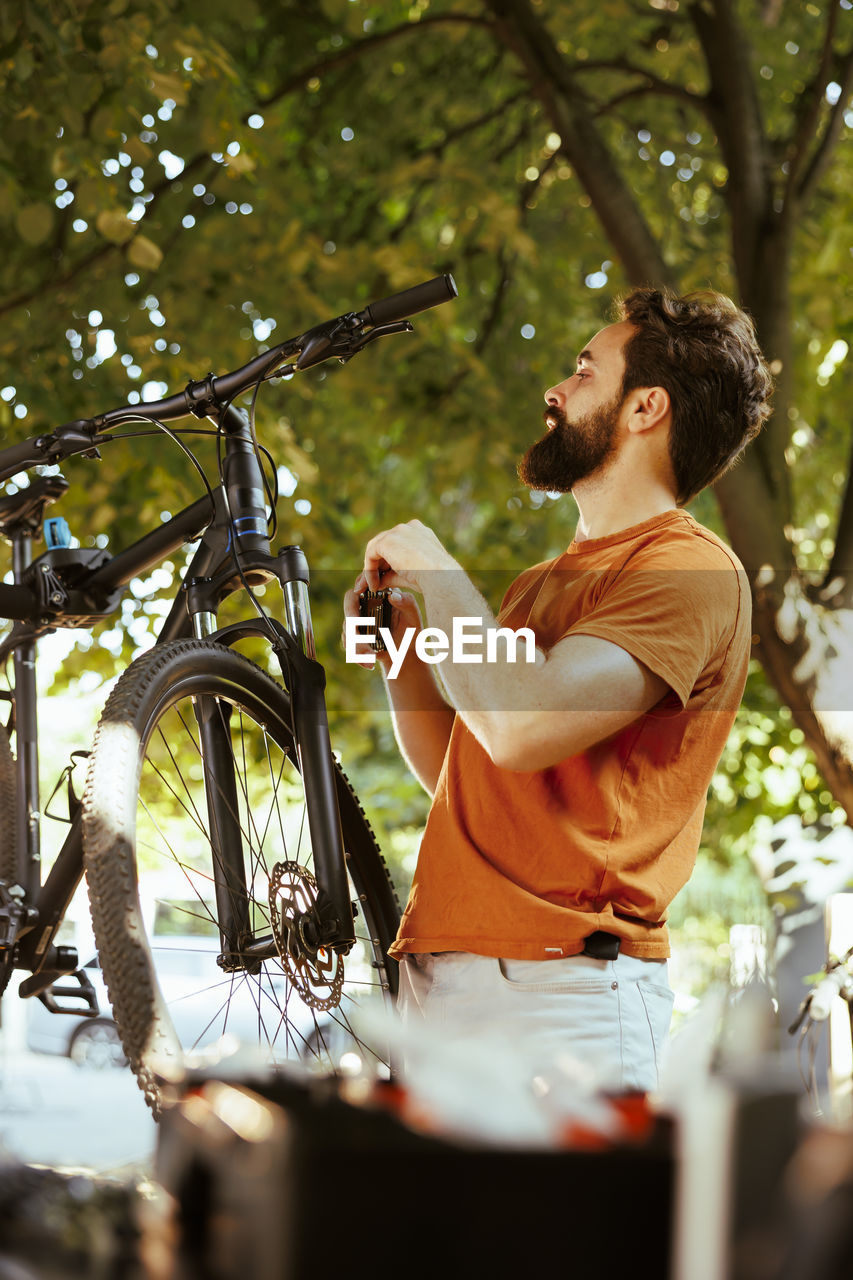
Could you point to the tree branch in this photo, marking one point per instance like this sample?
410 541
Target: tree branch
476 122
491 320
654 84
552 81
840 568
811 102
355 50
737 116
822 154
52 282
641 91
434 151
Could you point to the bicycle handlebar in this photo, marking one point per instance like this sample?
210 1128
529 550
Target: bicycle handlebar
342 337
408 303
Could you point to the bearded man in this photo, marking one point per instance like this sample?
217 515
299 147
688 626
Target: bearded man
569 793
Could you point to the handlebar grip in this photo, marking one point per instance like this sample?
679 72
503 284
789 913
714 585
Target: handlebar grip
408 303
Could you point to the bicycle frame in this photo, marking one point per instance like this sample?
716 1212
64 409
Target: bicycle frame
233 550
214 572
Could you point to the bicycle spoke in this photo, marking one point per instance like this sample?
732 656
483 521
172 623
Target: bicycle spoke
274 806
210 986
193 812
241 776
221 793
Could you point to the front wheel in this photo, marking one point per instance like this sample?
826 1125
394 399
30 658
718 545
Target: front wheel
176 984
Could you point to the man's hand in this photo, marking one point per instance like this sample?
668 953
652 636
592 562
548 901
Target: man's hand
402 556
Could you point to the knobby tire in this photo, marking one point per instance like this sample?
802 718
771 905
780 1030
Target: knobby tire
144 808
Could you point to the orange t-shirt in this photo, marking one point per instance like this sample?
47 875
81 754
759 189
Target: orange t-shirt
526 865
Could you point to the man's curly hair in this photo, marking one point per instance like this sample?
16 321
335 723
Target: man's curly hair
703 350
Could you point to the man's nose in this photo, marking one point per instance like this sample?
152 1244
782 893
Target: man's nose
552 396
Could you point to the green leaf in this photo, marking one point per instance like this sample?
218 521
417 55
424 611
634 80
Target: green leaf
144 253
241 163
34 223
115 226
168 86
24 64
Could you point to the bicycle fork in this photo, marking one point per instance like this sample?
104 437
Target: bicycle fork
231 839
329 923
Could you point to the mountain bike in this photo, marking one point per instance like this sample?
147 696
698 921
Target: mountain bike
235 885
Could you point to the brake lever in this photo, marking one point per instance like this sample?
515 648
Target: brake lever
378 331
80 436
326 344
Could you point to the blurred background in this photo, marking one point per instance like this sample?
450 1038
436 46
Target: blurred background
182 187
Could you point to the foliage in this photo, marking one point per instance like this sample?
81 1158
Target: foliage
180 193
716 900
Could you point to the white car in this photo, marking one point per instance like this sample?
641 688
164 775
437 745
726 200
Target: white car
199 1020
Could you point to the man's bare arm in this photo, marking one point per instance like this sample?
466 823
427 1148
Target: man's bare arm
422 720
526 716
421 716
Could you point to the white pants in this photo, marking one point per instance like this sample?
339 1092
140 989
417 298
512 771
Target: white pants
611 1016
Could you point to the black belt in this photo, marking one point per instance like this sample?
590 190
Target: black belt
601 945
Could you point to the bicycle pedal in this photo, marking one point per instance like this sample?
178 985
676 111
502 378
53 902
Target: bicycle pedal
80 999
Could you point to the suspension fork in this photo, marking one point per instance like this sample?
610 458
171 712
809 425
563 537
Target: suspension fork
305 679
239 531
229 848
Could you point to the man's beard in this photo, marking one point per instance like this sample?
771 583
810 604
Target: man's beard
570 451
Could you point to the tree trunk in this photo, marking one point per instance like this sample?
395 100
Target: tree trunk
805 641
805 644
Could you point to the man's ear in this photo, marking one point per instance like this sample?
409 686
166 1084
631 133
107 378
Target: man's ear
649 406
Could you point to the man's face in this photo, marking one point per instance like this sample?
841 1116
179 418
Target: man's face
583 417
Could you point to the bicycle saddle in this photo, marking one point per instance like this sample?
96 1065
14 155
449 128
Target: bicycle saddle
23 512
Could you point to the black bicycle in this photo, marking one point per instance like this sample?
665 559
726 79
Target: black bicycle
236 887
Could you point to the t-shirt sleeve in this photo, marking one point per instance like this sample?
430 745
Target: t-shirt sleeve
676 613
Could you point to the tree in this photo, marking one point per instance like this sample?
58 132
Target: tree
772 157
179 196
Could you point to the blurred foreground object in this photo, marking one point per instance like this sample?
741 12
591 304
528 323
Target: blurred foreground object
282 1180
465 1164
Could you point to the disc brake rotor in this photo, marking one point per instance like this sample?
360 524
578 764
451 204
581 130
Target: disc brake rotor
316 973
